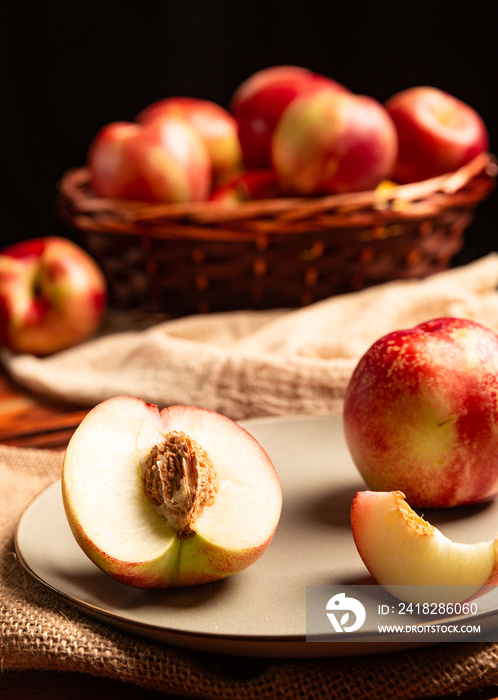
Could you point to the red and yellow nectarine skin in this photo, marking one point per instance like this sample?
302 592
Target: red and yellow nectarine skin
165 160
248 185
260 100
421 413
52 295
331 142
437 133
216 126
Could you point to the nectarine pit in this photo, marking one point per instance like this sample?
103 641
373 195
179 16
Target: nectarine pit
179 481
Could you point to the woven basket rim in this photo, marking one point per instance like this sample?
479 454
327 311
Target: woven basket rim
463 188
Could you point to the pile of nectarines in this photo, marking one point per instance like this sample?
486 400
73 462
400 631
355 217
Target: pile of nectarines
287 131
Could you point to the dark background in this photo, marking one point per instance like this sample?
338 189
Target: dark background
67 68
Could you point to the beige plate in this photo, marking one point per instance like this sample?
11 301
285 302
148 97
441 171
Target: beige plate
261 611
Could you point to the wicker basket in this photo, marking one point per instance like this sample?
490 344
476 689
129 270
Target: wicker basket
186 258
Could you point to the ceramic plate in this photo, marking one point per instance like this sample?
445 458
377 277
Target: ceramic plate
260 611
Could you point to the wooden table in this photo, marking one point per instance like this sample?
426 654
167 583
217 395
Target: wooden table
30 421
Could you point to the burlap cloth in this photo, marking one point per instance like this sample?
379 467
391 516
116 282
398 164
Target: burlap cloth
242 364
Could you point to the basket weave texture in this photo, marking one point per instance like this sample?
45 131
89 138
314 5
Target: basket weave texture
198 257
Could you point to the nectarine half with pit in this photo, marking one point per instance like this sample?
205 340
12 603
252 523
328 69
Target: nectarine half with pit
165 498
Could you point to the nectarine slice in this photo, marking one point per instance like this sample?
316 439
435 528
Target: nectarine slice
408 556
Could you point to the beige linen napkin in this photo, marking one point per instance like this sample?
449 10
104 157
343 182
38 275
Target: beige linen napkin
250 363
